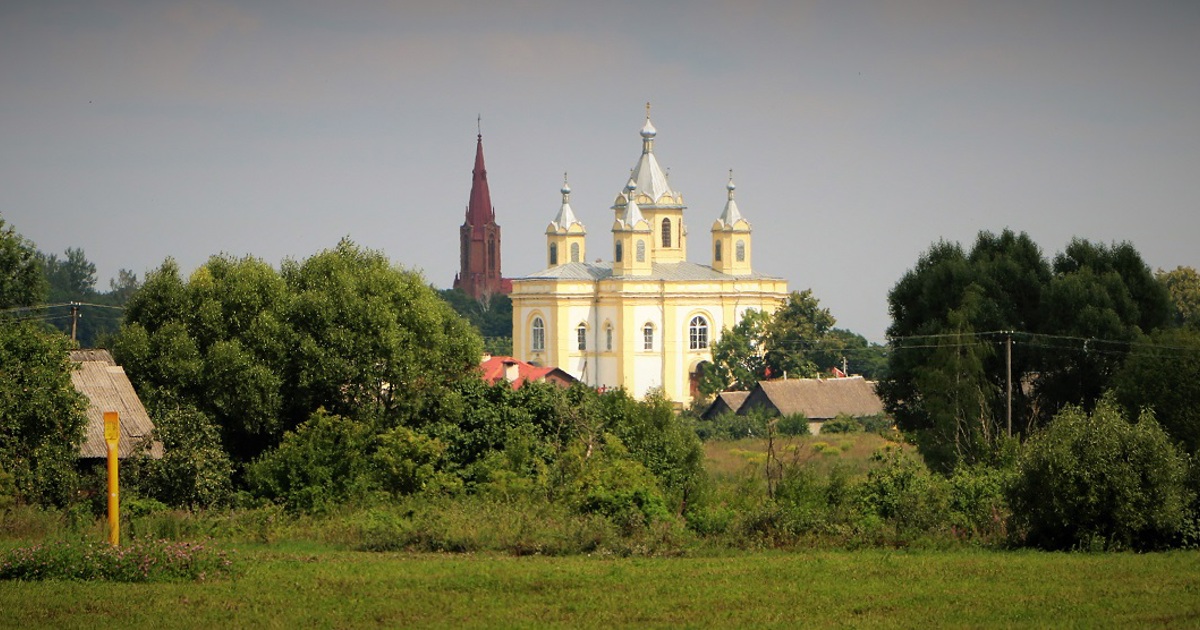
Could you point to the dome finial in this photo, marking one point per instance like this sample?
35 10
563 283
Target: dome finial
479 126
566 188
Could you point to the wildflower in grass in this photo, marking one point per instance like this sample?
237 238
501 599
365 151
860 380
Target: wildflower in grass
141 561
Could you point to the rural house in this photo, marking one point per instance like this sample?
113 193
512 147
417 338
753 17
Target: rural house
818 399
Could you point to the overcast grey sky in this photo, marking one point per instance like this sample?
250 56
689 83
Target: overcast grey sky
859 132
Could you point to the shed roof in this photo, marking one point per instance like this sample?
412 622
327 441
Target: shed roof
816 398
725 402
99 378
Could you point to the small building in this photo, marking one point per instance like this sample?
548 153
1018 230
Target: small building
726 402
98 377
819 399
517 372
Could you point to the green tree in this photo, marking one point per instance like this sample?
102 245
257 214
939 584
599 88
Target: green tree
738 356
797 340
1183 287
1097 479
22 279
1162 374
41 415
1071 324
71 278
797 335
1107 296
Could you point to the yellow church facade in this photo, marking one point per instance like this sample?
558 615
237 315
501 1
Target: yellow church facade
646 319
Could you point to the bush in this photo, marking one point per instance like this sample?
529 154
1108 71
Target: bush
903 492
793 425
1088 481
140 561
842 424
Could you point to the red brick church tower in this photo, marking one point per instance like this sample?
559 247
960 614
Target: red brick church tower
479 240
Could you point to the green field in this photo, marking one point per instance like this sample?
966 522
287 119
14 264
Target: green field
296 586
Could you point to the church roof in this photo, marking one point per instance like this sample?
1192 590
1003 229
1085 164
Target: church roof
479 209
566 216
650 178
679 271
731 215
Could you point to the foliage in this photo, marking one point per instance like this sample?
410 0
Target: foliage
903 492
792 425
324 462
259 351
798 340
72 277
947 374
1090 480
22 281
41 415
194 470
1183 287
491 316
1163 374
842 424
140 561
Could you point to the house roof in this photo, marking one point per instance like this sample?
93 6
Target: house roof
104 384
496 369
816 398
725 401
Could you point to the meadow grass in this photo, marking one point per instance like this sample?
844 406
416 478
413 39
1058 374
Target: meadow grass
308 586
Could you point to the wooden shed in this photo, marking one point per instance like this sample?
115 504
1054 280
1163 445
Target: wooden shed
98 377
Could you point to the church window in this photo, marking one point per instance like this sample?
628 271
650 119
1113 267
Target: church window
539 335
581 336
553 254
608 338
617 254
741 251
698 333
717 252
666 232
641 251
648 337
574 252
492 254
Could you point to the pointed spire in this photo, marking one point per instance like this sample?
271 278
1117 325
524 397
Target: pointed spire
566 216
633 214
731 215
650 177
479 210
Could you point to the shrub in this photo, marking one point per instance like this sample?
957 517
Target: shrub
793 425
140 561
842 424
903 492
1088 481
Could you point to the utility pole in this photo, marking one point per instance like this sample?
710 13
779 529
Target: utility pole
74 319
1008 365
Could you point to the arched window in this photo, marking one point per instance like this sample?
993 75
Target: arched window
698 333
648 336
717 252
608 338
553 254
666 232
617 254
641 250
492 254
574 252
538 335
741 251
581 336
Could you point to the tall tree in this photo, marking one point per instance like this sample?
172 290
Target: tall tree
1183 287
22 279
1072 324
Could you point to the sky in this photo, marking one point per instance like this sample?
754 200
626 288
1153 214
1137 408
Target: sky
859 133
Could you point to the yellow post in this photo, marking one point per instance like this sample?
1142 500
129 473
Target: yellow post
112 436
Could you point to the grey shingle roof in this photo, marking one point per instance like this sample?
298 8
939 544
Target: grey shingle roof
817 399
104 384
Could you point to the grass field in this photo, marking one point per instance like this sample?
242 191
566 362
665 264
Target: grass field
305 586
